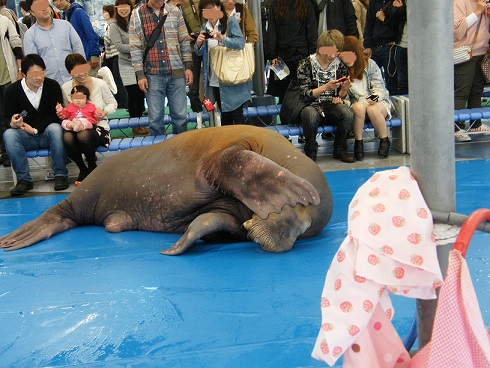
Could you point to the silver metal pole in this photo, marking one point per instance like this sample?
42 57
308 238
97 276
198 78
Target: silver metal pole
431 108
258 78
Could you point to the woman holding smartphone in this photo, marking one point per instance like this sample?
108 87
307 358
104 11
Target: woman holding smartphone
368 95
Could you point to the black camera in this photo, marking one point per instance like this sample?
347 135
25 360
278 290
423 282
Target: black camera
194 35
207 35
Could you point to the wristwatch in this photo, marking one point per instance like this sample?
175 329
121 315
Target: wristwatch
34 131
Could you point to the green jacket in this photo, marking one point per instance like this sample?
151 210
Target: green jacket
192 17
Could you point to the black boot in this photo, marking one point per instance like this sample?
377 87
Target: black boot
359 150
341 154
384 147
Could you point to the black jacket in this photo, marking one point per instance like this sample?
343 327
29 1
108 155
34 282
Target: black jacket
377 33
292 39
341 16
16 101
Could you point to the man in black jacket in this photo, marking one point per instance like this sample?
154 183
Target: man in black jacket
383 31
336 14
30 115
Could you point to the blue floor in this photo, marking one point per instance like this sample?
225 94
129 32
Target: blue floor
90 298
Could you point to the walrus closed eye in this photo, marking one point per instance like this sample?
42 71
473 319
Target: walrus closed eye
238 180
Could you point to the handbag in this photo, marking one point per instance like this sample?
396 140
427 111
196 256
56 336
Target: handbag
233 66
292 104
485 67
463 53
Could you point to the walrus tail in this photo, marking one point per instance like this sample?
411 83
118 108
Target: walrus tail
32 232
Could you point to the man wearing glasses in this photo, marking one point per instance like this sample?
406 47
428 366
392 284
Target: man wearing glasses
30 115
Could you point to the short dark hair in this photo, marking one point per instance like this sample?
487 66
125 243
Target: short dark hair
110 9
30 60
82 89
72 60
28 4
23 5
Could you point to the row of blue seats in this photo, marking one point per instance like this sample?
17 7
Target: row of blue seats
471 114
248 112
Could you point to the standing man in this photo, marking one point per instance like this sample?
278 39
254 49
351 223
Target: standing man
10 56
167 68
336 14
385 20
52 39
30 114
78 18
190 11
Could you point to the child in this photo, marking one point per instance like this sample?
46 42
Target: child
80 113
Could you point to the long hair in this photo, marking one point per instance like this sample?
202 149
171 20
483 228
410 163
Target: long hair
224 20
351 43
282 8
121 22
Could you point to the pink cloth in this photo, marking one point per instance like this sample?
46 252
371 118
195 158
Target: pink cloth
389 247
459 338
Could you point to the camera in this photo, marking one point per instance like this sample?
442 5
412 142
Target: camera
207 34
194 35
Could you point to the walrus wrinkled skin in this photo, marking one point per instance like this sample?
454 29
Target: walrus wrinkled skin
239 181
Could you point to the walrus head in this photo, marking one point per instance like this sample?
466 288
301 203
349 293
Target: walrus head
279 231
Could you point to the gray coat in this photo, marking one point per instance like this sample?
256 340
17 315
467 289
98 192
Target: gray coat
120 40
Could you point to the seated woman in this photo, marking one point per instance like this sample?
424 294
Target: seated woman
225 31
86 141
368 96
319 79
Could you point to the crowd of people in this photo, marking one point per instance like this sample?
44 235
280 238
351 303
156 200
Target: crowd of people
59 79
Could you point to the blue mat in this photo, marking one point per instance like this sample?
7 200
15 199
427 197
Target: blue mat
87 297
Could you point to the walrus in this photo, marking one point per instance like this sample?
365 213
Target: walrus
232 181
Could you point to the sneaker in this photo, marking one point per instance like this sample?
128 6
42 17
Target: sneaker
60 182
484 128
106 74
461 136
21 188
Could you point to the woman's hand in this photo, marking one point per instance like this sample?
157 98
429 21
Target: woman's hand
216 35
345 85
200 39
337 100
331 85
100 114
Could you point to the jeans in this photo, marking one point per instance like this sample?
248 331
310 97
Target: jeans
385 57
17 142
339 115
402 70
159 87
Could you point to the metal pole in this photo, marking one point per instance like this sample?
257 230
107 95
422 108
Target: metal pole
258 78
431 80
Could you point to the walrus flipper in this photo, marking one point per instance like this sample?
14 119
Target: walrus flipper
259 183
42 228
202 225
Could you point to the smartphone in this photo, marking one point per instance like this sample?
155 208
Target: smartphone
343 79
373 97
22 114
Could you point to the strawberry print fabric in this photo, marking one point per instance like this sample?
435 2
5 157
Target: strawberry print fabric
389 248
459 337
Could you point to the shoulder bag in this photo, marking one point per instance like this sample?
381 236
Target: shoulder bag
233 66
463 53
154 36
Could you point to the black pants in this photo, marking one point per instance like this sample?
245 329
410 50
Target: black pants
339 115
468 85
229 117
121 96
196 104
136 101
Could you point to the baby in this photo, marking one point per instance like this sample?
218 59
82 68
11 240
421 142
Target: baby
80 113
